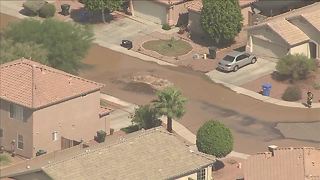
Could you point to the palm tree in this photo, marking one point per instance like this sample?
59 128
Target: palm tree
170 103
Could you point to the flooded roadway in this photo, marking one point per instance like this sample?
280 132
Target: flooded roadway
252 122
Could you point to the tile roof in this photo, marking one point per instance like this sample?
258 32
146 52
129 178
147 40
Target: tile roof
313 18
152 154
196 5
286 163
104 111
34 85
290 33
167 2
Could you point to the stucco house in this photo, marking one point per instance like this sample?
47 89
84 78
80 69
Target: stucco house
194 9
293 32
42 108
159 11
150 154
284 164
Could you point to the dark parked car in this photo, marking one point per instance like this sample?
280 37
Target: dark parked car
126 44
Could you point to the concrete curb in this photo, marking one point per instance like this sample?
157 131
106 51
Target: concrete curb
260 97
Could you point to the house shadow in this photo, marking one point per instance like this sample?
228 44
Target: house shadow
83 16
217 165
27 12
206 41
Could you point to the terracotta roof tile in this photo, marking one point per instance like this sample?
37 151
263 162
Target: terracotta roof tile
104 111
286 163
291 33
34 85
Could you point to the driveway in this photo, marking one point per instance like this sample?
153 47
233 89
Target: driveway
124 28
245 74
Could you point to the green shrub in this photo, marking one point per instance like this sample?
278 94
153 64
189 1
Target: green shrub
215 139
4 160
48 10
34 5
130 129
296 66
316 86
292 93
166 27
146 117
101 136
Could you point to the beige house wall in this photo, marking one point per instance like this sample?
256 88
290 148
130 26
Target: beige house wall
245 15
176 11
75 119
301 49
13 127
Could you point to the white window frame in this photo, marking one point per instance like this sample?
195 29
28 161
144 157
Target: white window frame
16 112
202 174
18 141
55 136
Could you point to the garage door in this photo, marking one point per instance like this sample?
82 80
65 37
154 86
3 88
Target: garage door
267 50
150 11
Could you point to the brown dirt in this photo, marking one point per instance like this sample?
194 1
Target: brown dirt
278 87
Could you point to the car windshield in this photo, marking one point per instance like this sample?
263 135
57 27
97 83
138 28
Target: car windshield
228 58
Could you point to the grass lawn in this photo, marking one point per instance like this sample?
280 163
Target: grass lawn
4 159
168 47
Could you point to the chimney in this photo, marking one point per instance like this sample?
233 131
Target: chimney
271 148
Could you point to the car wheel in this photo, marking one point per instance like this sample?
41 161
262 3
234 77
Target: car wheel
254 60
236 68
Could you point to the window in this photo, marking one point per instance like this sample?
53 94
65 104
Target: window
1 132
201 175
239 58
16 112
20 141
54 136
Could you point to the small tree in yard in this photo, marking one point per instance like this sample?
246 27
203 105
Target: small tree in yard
103 5
146 117
170 103
215 139
296 66
11 51
221 20
66 43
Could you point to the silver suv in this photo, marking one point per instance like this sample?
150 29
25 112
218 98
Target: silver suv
235 60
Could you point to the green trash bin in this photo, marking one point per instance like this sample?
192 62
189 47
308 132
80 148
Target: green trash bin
212 52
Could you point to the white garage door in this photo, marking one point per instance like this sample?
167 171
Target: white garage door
267 50
151 11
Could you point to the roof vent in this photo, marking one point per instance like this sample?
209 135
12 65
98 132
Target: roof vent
271 148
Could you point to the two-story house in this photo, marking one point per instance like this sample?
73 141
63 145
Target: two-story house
42 108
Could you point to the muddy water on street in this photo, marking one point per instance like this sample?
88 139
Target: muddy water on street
251 121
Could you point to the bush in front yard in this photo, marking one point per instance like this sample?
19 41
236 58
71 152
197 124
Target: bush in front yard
33 6
48 10
296 66
292 93
215 139
166 27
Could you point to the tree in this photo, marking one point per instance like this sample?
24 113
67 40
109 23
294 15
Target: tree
296 66
103 5
10 51
146 117
170 103
66 43
221 20
215 139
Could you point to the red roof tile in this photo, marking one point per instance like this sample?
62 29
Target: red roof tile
34 85
284 164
